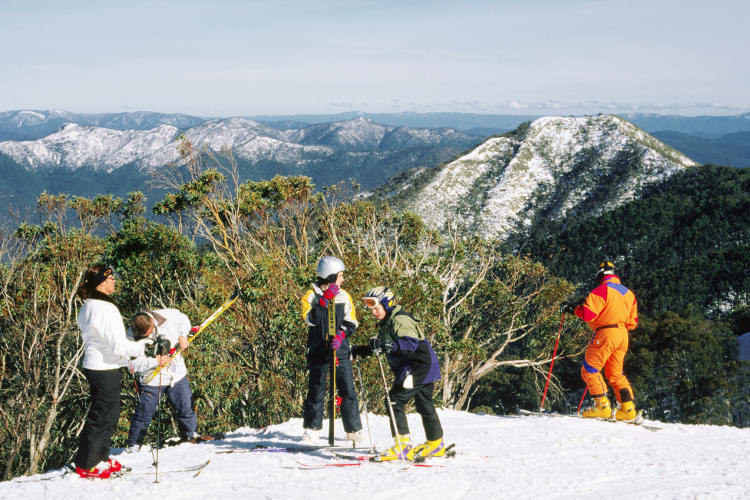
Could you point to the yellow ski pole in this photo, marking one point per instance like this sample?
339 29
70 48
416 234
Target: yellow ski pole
332 385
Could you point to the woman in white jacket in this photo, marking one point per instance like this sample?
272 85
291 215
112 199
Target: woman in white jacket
106 350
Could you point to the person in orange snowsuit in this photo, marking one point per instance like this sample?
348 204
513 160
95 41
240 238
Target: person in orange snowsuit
610 310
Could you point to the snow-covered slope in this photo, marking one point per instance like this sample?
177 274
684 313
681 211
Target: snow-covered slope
554 167
75 146
499 457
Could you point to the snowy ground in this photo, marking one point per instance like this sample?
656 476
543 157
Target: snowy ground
498 457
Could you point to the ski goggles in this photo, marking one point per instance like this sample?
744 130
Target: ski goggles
370 301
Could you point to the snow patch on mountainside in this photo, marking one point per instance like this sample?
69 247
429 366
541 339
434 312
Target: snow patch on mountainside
554 165
439 199
77 146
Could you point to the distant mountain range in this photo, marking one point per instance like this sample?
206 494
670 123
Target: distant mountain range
707 139
731 150
549 169
29 125
35 124
700 126
75 146
77 158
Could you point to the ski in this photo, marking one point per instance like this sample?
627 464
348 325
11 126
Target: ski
408 463
637 421
175 441
363 460
189 468
449 453
58 474
69 470
198 330
287 449
323 466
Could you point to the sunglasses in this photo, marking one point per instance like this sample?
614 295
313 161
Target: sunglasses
370 301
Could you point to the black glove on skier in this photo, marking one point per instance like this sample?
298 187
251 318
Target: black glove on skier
379 346
159 347
568 307
361 351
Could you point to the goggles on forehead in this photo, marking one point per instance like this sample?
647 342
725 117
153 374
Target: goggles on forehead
103 275
370 301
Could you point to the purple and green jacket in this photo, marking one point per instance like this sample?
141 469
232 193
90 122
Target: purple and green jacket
412 351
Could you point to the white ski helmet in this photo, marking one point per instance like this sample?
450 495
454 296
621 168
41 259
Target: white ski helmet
380 295
329 267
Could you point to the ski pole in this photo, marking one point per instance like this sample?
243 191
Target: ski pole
584 395
364 403
390 411
135 379
158 428
332 370
197 330
552 363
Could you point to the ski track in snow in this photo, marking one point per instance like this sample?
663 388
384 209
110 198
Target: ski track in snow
500 457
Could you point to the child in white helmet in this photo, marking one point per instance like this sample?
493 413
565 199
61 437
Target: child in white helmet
327 287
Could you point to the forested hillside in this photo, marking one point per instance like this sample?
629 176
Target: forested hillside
683 246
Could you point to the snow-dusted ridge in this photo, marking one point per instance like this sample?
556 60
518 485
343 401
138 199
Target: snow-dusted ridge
552 167
75 146
35 124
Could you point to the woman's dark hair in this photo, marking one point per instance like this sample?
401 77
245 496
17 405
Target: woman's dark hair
91 279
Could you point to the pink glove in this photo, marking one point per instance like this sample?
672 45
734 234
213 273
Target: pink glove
328 294
338 339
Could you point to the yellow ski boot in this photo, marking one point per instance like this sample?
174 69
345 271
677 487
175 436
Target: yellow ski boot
400 449
434 448
626 411
601 409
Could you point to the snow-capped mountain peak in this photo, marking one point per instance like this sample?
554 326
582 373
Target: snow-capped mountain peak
550 168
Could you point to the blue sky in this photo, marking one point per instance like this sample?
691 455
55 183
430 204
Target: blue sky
227 58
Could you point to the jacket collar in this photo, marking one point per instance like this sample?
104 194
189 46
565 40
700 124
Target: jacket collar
389 315
610 278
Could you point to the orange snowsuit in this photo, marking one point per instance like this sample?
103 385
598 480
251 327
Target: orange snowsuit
610 310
